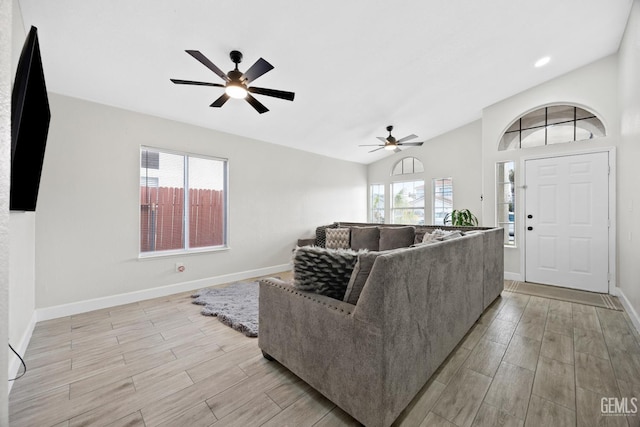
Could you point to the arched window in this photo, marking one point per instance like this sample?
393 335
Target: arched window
555 124
407 165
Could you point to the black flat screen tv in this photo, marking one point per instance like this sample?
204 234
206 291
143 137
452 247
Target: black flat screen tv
30 116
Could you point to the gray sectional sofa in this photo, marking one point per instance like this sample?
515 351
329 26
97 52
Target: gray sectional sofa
371 358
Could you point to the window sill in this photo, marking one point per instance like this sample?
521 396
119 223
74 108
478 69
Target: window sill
182 252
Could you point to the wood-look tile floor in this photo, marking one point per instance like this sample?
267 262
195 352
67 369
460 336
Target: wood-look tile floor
528 361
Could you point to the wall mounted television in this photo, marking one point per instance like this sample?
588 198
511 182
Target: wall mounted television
30 116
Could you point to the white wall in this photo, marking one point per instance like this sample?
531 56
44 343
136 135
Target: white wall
455 154
593 86
87 225
22 225
5 161
629 157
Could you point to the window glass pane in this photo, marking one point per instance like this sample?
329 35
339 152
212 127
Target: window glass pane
162 203
505 200
417 166
534 119
557 134
510 141
377 204
397 169
589 129
532 138
442 199
559 114
407 165
408 202
515 127
206 202
583 114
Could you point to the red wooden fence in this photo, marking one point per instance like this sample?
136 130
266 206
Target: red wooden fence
161 218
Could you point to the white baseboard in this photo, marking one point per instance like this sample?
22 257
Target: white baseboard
70 309
633 314
21 348
508 275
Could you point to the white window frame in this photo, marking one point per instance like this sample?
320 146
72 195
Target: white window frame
434 181
392 200
186 249
507 223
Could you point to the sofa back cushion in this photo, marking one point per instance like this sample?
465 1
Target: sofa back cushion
359 276
365 238
396 237
323 271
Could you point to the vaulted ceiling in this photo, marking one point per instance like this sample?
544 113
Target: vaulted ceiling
424 66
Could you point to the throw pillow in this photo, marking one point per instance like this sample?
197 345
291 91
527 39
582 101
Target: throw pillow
396 237
365 238
419 235
323 271
359 276
337 238
321 235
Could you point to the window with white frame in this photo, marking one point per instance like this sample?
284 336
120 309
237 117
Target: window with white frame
407 165
506 200
376 203
554 124
442 199
407 202
183 202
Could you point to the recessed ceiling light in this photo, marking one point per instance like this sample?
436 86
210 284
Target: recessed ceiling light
542 61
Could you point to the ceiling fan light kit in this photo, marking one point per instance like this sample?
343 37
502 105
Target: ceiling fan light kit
391 144
236 82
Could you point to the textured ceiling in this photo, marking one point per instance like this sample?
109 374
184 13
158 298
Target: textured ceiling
425 67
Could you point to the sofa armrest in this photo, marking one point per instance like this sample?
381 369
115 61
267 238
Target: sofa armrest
307 242
320 340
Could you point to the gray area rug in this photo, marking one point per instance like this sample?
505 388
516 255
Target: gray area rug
235 305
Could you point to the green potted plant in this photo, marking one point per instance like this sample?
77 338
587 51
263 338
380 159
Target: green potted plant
461 218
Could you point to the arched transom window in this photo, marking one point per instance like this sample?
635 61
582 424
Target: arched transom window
407 165
552 125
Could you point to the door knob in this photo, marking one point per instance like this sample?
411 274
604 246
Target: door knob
529 216
529 228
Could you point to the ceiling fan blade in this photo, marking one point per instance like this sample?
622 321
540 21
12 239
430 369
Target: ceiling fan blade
210 65
191 82
259 68
376 149
256 104
415 144
220 101
371 145
381 138
272 92
408 137
397 150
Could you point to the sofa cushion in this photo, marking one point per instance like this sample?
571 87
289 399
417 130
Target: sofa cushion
323 271
359 276
365 238
396 237
338 238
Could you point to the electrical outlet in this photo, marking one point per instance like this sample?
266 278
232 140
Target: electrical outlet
180 267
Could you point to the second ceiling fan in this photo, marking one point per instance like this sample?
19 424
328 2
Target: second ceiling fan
392 144
236 82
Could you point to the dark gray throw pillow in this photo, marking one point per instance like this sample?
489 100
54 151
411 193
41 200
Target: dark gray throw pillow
396 237
365 238
360 275
323 271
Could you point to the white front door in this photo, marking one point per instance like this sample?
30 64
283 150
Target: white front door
567 221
